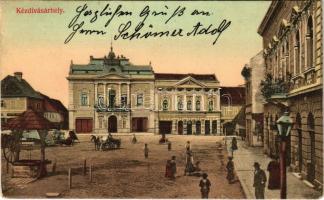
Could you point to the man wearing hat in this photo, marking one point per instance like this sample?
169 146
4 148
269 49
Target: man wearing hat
204 185
259 182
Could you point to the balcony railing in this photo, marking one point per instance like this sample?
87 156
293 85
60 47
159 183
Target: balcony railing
278 87
113 108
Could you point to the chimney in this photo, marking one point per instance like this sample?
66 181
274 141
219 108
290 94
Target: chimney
18 75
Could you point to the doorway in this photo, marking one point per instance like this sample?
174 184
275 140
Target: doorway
139 124
207 127
198 127
165 127
189 128
112 124
180 127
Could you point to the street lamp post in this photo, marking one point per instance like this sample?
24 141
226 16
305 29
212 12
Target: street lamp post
284 124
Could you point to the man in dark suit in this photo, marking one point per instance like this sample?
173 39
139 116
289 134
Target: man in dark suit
259 182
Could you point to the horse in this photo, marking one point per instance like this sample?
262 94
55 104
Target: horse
96 141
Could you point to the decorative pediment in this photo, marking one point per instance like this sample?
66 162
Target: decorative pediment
275 39
114 76
284 25
189 82
295 12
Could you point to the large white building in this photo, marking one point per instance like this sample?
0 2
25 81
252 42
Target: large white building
110 94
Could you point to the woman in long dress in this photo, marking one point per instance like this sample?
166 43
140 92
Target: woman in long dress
189 163
230 170
274 174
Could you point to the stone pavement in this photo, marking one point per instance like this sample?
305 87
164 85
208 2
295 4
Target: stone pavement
244 159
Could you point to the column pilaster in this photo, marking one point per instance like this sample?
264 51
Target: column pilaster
96 93
105 94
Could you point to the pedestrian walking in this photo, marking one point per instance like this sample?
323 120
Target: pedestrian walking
173 167
259 181
168 170
146 151
204 185
134 140
169 146
188 146
274 174
230 170
234 146
189 163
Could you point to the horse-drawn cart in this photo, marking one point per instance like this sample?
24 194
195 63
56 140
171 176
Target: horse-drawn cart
105 143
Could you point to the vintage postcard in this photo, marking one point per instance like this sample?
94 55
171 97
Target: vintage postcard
161 99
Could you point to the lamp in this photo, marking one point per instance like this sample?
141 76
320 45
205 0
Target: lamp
284 124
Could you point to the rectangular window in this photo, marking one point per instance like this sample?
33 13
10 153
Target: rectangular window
2 104
139 99
84 99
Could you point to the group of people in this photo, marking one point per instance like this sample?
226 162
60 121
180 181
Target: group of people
190 169
260 178
259 181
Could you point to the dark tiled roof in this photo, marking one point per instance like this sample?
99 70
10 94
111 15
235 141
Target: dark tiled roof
171 76
54 102
29 120
12 87
237 95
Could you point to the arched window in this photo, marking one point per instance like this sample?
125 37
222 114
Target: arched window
310 122
309 42
311 128
197 105
189 105
101 100
286 54
112 98
180 103
112 70
165 104
210 105
275 68
297 53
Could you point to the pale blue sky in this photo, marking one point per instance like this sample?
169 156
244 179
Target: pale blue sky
34 43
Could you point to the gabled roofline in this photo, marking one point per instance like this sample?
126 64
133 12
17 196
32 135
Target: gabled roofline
273 6
191 79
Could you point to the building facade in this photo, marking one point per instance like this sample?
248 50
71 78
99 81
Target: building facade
187 103
253 74
232 100
112 94
292 42
17 95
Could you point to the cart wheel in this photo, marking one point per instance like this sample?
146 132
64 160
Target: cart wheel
10 150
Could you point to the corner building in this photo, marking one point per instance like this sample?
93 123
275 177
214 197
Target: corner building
292 44
110 94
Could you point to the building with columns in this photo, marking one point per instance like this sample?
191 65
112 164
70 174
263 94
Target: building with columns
110 94
187 103
293 54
